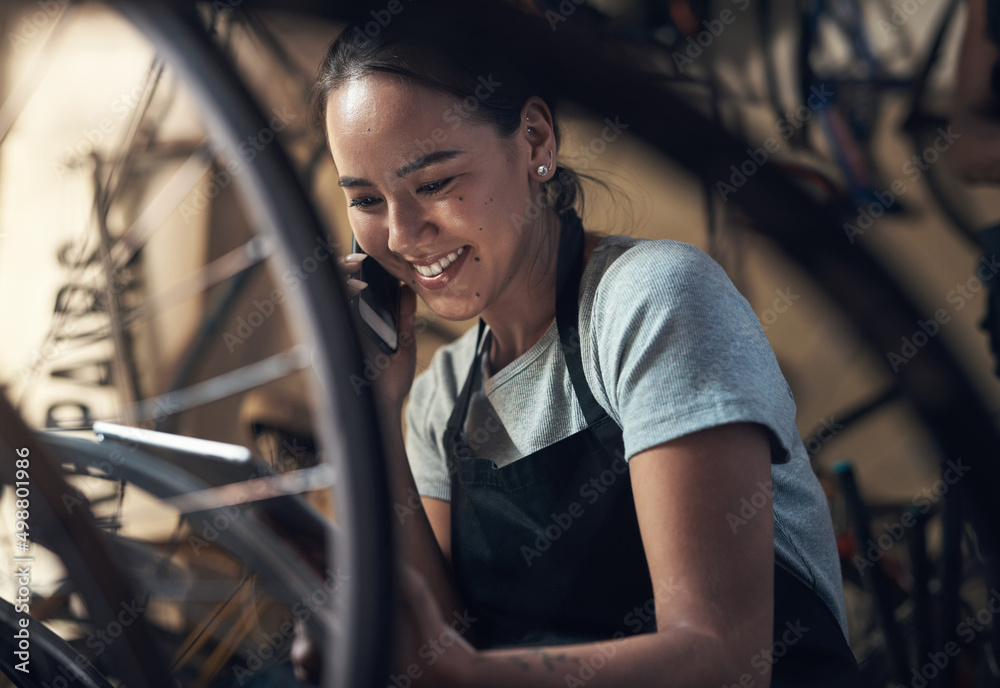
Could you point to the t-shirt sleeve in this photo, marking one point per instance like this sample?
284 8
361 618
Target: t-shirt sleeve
430 403
676 348
423 448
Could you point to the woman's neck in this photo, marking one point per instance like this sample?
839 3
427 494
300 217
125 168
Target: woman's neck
521 320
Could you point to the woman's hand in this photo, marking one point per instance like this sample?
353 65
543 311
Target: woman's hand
427 650
307 658
390 375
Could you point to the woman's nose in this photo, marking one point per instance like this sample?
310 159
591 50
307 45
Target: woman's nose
409 228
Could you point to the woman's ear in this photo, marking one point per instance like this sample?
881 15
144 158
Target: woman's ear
538 130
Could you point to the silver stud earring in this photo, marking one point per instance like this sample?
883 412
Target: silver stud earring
544 169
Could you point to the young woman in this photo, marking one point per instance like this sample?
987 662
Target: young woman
613 489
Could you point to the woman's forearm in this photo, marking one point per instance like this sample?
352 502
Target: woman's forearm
672 657
415 541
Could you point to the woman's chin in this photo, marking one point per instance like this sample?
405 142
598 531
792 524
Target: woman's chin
454 308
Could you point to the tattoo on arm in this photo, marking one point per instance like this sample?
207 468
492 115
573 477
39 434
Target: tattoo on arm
549 660
520 662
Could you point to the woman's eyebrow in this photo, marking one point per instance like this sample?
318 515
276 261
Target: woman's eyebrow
347 182
425 160
409 168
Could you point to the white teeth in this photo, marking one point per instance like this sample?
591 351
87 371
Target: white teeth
440 266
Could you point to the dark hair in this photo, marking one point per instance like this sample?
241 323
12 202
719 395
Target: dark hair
452 53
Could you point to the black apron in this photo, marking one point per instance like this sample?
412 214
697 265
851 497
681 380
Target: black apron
546 550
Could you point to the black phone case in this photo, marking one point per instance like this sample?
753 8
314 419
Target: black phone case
381 294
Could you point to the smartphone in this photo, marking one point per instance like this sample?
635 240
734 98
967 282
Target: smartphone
377 306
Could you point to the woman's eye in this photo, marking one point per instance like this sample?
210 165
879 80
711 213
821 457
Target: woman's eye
365 202
435 187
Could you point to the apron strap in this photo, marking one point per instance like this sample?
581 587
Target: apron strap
568 275
455 429
569 271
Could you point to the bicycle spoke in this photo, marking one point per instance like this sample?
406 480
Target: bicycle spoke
127 149
163 204
35 74
219 270
211 324
199 635
214 273
322 477
258 30
133 239
222 386
98 308
137 234
214 389
126 374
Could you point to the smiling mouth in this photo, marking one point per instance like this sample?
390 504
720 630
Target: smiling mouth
440 266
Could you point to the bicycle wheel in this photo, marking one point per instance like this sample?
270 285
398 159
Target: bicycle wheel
108 331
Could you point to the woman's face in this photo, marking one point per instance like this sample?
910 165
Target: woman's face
433 196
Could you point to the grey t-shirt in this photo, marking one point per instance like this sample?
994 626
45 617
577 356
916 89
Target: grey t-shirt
669 347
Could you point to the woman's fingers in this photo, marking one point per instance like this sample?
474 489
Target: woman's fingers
349 265
351 262
307 661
